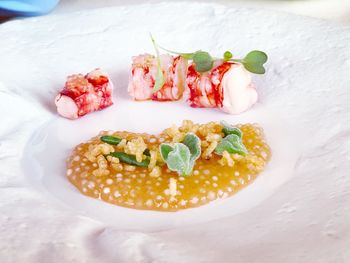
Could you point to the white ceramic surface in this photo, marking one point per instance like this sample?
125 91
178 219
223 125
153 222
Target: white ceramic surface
60 136
305 91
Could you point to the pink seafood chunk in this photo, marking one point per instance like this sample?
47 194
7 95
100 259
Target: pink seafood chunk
228 86
84 94
143 74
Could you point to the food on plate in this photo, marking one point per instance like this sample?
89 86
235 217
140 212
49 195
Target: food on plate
228 87
84 94
182 167
144 73
209 82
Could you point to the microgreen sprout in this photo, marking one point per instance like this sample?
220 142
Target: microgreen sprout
254 61
227 55
159 82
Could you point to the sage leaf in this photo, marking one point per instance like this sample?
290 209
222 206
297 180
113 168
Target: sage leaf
194 145
179 160
203 61
232 143
228 129
164 150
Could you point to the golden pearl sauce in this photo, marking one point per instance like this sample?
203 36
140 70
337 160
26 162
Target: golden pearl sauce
134 187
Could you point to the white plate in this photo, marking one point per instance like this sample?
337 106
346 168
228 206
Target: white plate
303 106
58 138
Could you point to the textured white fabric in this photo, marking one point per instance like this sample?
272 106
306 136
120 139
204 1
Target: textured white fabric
307 82
336 10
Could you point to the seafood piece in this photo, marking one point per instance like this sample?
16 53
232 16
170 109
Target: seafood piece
143 75
84 94
227 86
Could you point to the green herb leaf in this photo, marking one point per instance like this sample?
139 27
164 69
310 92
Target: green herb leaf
115 141
254 61
129 159
159 81
164 150
194 145
179 160
110 139
181 157
203 61
228 129
232 143
227 55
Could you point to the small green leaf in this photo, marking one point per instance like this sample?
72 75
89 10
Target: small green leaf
228 129
159 81
227 55
179 160
110 139
194 145
164 150
232 143
254 61
129 159
181 157
203 61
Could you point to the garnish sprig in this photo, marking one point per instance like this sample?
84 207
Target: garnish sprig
110 139
253 62
130 159
159 81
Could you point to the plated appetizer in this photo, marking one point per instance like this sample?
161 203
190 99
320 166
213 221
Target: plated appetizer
84 94
182 167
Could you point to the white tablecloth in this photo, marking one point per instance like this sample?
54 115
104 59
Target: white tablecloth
337 10
307 220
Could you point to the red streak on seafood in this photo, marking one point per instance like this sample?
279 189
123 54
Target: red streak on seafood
205 90
228 87
143 75
84 94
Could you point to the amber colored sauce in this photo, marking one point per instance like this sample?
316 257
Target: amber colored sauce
136 189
